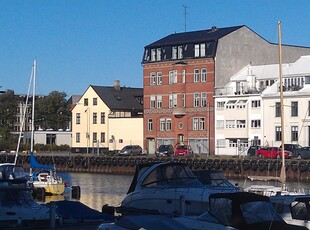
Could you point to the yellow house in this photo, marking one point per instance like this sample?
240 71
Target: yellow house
107 118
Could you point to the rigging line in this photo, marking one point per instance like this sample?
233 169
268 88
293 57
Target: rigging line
24 116
299 134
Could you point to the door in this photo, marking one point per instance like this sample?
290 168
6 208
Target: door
151 144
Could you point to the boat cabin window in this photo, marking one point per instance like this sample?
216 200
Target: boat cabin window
171 176
299 210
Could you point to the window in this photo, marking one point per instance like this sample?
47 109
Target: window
152 79
168 124
196 50
94 101
230 124
203 75
255 124
183 76
159 78
202 50
294 133
196 99
102 118
220 105
150 124
94 137
153 55
158 54
78 138
85 101
278 109
203 99
78 118
255 104
183 100
94 118
102 137
195 123
294 108
180 52
201 123
162 124
159 101
196 75
173 76
231 104
152 102
174 52
220 124
175 100
241 104
240 124
278 133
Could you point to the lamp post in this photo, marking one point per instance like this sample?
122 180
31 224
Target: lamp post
87 128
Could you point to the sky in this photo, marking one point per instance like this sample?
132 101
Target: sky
78 43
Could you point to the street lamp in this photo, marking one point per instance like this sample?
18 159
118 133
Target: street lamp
87 128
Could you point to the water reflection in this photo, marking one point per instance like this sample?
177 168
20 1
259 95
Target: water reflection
100 189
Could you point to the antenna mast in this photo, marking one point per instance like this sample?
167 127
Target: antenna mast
185 13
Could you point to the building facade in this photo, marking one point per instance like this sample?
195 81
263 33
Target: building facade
107 118
182 71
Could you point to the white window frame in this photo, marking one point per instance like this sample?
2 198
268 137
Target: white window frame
183 100
175 76
162 124
196 75
159 78
150 124
195 123
168 124
180 52
152 78
158 54
197 50
183 76
152 102
203 99
175 100
219 124
230 124
196 99
256 123
159 101
171 77
153 55
204 75
241 124
174 52
170 100
202 50
201 123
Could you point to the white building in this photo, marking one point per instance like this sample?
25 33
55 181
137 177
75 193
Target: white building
247 109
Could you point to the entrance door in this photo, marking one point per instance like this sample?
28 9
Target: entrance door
151 146
181 139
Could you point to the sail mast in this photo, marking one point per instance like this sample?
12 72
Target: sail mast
283 173
33 101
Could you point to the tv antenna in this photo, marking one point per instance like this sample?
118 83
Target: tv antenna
185 13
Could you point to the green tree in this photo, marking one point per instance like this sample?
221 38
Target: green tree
8 108
52 111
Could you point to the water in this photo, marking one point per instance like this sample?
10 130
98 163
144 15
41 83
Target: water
100 189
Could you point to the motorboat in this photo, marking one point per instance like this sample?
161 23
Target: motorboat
168 188
16 201
239 210
294 209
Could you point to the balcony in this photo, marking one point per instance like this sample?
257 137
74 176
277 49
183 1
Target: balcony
179 112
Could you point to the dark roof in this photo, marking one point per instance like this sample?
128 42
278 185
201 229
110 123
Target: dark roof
124 99
212 34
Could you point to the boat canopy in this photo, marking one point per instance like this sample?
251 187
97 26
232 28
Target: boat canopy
35 164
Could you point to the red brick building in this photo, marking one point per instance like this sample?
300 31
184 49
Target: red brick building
183 71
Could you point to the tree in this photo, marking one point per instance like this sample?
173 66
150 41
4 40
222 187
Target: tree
52 111
8 108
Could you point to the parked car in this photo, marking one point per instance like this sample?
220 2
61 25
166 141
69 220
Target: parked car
298 151
164 150
130 150
183 150
273 152
252 150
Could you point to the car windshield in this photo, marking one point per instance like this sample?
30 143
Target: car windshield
182 147
127 147
163 147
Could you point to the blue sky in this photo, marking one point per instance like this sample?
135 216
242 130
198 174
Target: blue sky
78 43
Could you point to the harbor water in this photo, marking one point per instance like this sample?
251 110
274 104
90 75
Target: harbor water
100 189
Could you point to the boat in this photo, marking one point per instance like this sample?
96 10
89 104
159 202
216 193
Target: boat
45 176
238 210
294 209
168 188
17 205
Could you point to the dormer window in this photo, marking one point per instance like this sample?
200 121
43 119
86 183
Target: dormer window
158 54
200 50
153 55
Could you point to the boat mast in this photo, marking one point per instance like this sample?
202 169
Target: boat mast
283 173
32 112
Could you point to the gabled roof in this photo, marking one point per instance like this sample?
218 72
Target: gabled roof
212 34
124 99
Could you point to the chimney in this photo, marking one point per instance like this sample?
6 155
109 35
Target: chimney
117 85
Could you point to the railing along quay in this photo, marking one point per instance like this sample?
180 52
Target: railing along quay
233 167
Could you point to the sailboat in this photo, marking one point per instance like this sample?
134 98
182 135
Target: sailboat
44 176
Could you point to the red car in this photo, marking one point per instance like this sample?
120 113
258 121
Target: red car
183 150
272 152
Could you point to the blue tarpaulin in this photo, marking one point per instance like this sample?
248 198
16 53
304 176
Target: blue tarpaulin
35 164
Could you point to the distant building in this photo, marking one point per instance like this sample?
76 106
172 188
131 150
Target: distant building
107 118
182 71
